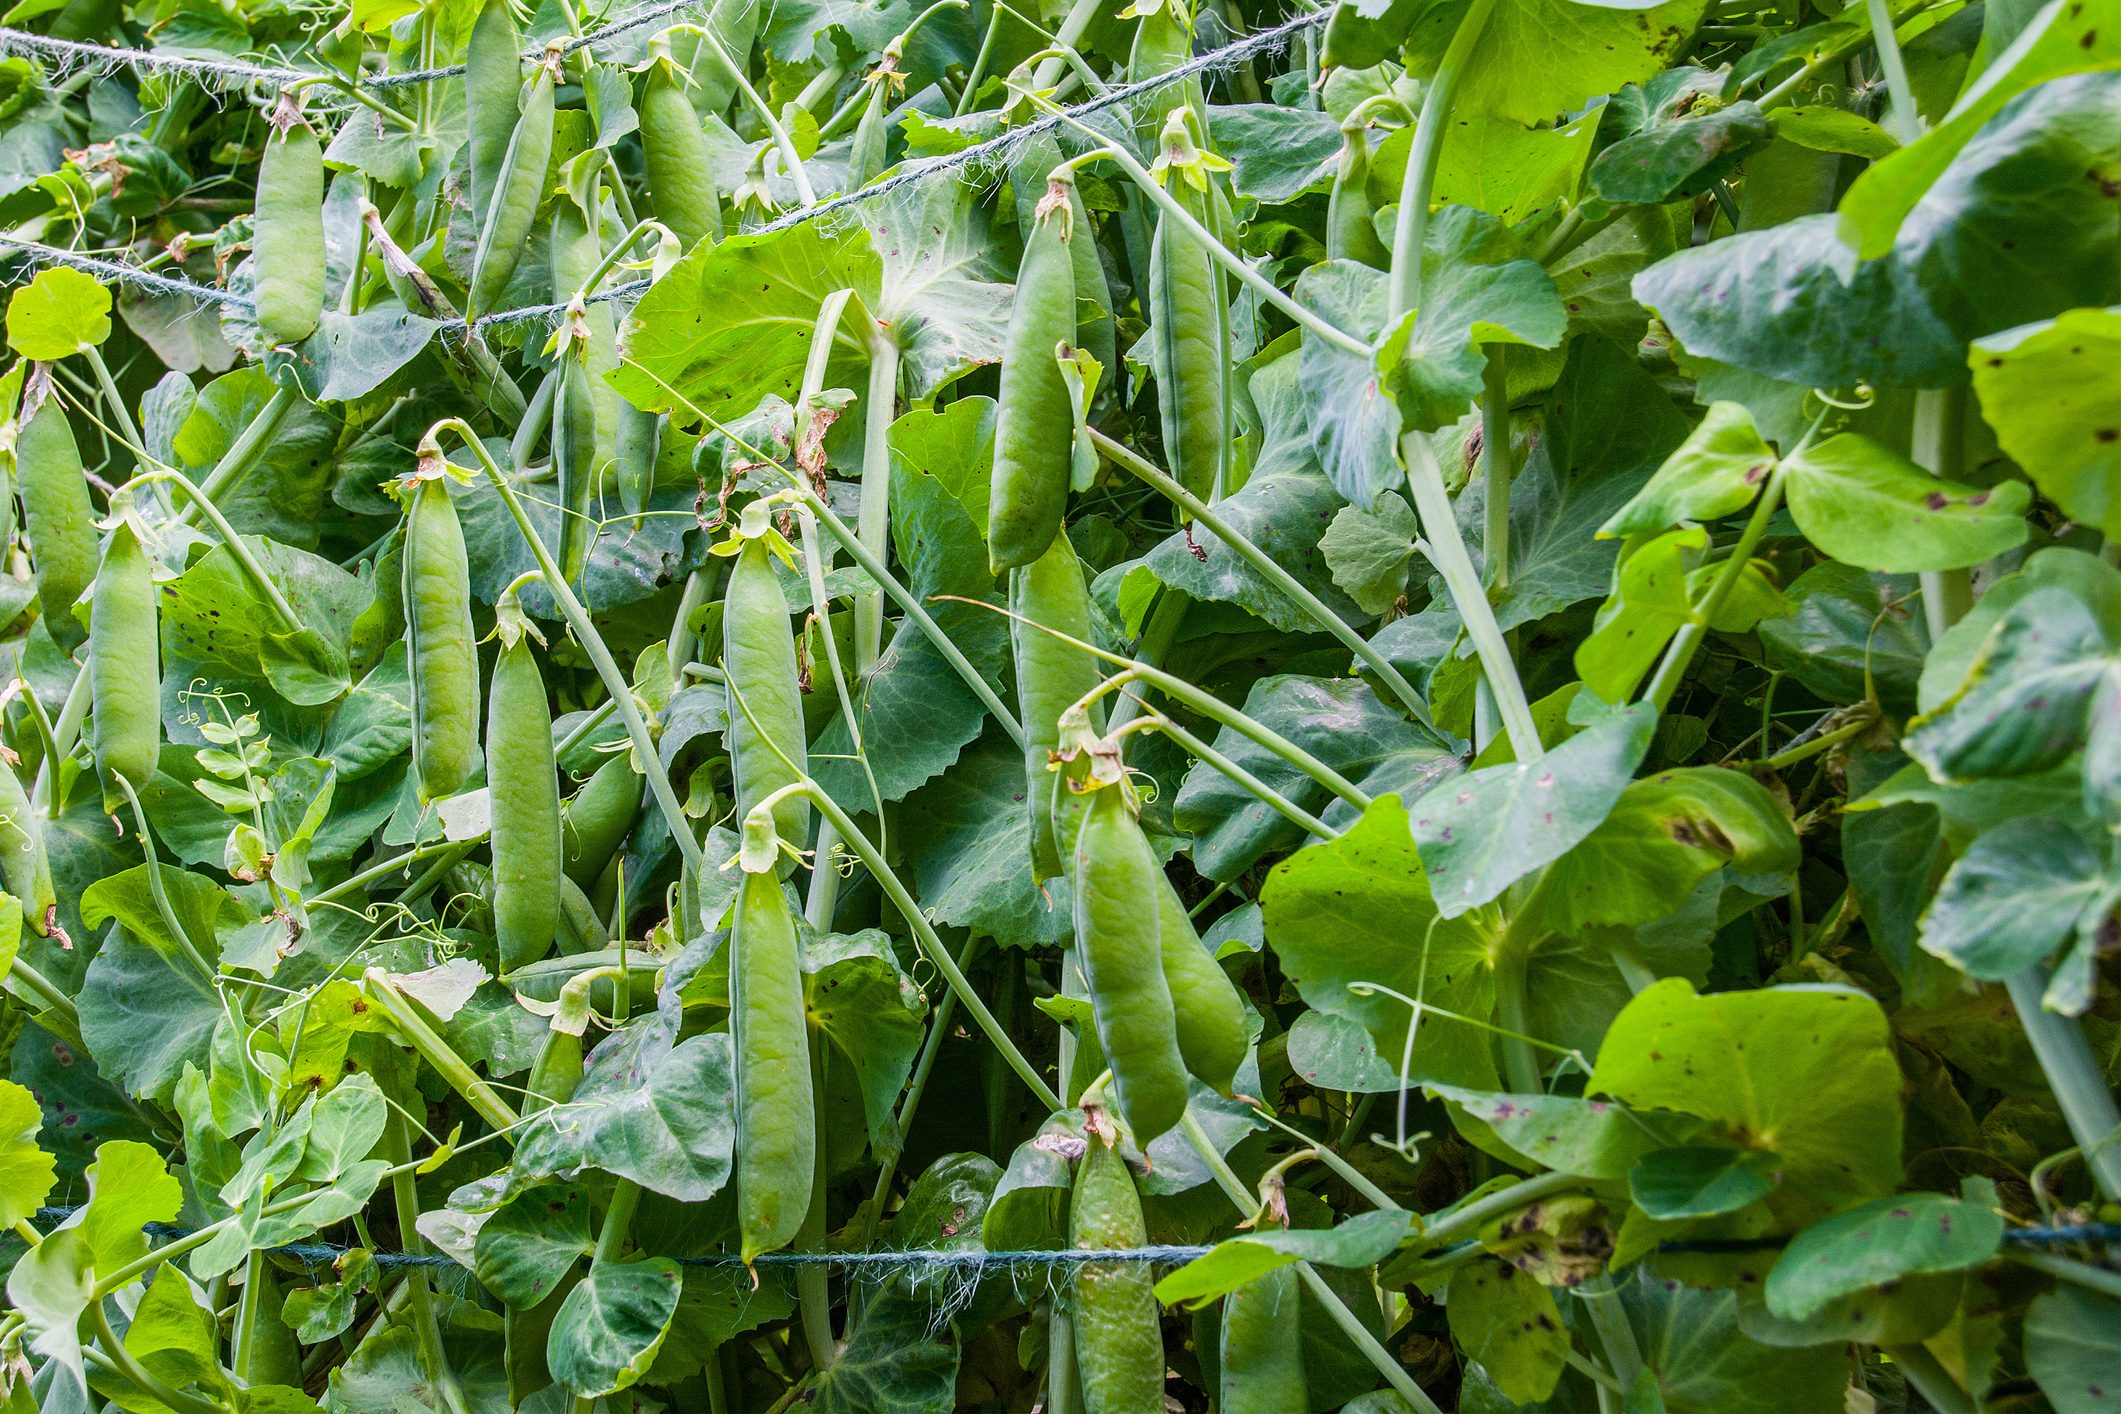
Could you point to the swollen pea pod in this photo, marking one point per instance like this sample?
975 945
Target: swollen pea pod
1206 1009
1035 426
765 698
1119 1343
580 929
25 867
493 83
595 821
56 511
1351 225
124 667
288 228
1189 349
680 167
519 189
1118 929
1050 677
522 784
574 448
1262 1346
445 659
639 441
776 1140
557 1072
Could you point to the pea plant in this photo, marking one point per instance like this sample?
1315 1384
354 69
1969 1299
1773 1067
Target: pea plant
911 707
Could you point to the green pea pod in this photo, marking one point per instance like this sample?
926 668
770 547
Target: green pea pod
56 512
1163 40
493 83
1050 677
1189 349
519 189
445 660
1262 1346
758 654
288 229
680 168
640 437
523 785
24 864
592 330
1118 927
557 1071
125 679
1351 227
776 1140
593 824
1119 1343
1206 1009
1034 428
574 457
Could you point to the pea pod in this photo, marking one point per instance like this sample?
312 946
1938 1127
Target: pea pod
445 660
574 455
1118 928
1034 428
288 228
640 436
1189 349
519 189
24 865
557 1072
523 786
1262 1346
775 1136
1206 1010
1119 1343
1050 677
758 655
493 82
125 679
680 168
1351 227
580 930
56 511
595 821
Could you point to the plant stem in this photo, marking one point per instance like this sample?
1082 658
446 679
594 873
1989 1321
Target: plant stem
1266 794
1905 120
118 410
1158 636
1265 566
405 1196
285 611
1234 1187
1681 650
1447 551
2074 1075
1609 1317
873 524
437 1052
790 158
247 1317
1468 1221
128 1365
1499 471
2099 1279
1411 221
244 452
1927 1374
1938 446
1520 1067
813 1292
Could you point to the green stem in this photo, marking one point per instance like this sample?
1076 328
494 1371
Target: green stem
285 611
1500 471
1905 119
938 1029
1267 795
128 1365
244 452
1410 224
873 523
1520 1067
1447 551
437 1052
1158 637
1929 1377
66 733
397 1146
1063 1379
592 643
1681 650
1073 26
1825 741
1938 445
357 882
177 936
1234 1187
2099 1279
1267 568
248 1315
58 1015
813 1290
2073 1073
119 412
1468 1220
790 158
1609 1317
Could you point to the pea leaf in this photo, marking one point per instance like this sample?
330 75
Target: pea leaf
1565 1133
1872 508
1880 1243
646 1110
1717 471
2023 890
1509 1323
1544 57
2049 390
611 1325
60 312
2072 1339
1701 1180
895 1358
27 1173
1360 1241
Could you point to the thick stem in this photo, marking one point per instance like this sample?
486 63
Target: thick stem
1447 551
1938 445
397 1147
1520 1066
1905 120
1410 224
122 414
2074 1075
1266 794
1159 635
128 1365
436 1051
1927 1373
244 452
873 524
1266 567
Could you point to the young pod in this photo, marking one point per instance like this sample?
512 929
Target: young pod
523 787
445 658
680 168
557 1072
1189 328
1119 1342
776 1140
1351 227
288 228
493 83
25 867
1119 933
1051 676
519 189
56 511
1035 424
594 822
1206 1009
574 455
124 667
1262 1346
765 698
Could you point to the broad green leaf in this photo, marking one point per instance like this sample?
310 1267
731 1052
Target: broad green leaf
896 1357
1716 472
1649 603
873 1014
27 1173
1509 1323
941 296
1806 1073
1821 127
286 493
345 1124
201 907
1480 834
646 1110
351 355
1870 507
1360 1241
1369 551
2072 1341
1851 631
1565 1133
1353 423
2095 583
1278 153
610 1326
1702 1362
1880 1243
144 1014
1330 1052
2063 38
59 313
1675 137
1701 1181
969 838
1499 165
2049 390
51 1286
1545 57
2022 891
